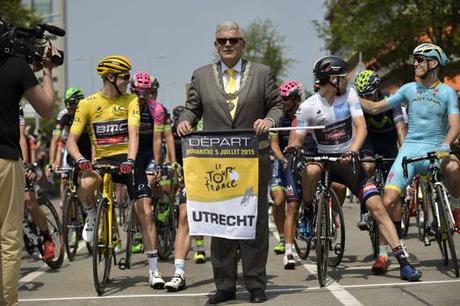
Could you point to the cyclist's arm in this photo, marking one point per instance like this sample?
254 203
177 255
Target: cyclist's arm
402 131
41 97
170 145
454 129
373 108
78 124
53 145
133 141
297 140
157 146
72 147
360 133
275 146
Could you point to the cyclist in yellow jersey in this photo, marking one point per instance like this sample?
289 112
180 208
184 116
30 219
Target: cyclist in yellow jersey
112 118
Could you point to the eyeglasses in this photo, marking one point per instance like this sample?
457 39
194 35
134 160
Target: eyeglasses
232 40
420 59
124 76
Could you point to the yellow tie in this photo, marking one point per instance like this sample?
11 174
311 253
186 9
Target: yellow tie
231 88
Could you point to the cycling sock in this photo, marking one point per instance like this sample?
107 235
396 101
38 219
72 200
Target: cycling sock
398 228
199 243
152 258
288 249
180 267
383 251
282 238
400 255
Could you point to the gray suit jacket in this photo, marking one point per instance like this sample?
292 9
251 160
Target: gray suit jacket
259 99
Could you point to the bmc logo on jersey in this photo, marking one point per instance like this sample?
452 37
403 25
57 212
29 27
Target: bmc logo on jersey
110 128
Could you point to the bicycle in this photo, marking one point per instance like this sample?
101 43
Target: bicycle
31 233
106 236
378 178
328 221
439 222
414 201
73 218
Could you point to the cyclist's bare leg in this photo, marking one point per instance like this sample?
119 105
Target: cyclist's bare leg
89 182
451 171
143 209
369 166
279 200
290 222
379 211
340 191
310 177
37 214
182 241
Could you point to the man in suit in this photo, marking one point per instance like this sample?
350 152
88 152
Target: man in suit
237 94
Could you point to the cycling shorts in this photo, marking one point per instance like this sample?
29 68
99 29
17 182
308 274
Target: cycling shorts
384 147
395 178
282 179
136 189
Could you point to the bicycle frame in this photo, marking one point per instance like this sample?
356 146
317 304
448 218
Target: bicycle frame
107 193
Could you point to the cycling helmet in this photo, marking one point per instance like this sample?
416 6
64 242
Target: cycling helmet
367 81
431 51
177 111
73 95
290 87
155 83
329 66
114 64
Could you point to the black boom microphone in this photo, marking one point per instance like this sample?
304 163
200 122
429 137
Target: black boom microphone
52 29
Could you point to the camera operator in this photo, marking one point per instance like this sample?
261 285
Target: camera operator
17 79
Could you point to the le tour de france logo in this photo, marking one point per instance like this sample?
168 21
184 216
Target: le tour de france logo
221 177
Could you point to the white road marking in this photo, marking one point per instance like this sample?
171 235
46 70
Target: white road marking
205 294
36 273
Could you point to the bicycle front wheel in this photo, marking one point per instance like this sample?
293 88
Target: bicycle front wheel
55 230
130 231
71 225
337 229
102 253
166 228
322 237
447 226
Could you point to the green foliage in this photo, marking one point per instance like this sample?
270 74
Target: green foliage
388 31
265 45
17 14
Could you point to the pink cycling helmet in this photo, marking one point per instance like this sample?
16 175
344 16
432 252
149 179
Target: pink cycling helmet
290 87
141 83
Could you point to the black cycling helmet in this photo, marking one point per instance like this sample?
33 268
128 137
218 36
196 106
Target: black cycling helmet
177 111
329 66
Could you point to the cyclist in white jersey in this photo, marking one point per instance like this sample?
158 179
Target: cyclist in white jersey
338 109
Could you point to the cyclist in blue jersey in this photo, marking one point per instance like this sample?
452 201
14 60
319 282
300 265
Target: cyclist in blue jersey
385 131
434 124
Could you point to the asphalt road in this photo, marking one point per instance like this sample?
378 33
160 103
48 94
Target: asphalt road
351 283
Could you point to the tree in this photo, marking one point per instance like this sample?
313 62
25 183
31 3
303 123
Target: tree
387 31
264 45
17 14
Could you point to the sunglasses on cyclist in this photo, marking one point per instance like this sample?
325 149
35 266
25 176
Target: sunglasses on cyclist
232 40
124 76
420 59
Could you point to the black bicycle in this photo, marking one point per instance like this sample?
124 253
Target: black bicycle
439 222
73 218
328 222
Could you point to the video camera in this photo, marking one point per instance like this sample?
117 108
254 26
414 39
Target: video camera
30 42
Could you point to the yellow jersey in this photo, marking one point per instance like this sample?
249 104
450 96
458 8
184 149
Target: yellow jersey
107 121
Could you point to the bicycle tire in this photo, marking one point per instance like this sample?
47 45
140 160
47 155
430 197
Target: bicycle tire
420 210
374 236
405 220
447 227
166 231
338 231
130 235
55 231
322 238
102 254
71 222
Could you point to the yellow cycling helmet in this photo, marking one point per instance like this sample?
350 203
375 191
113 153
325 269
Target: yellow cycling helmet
115 64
